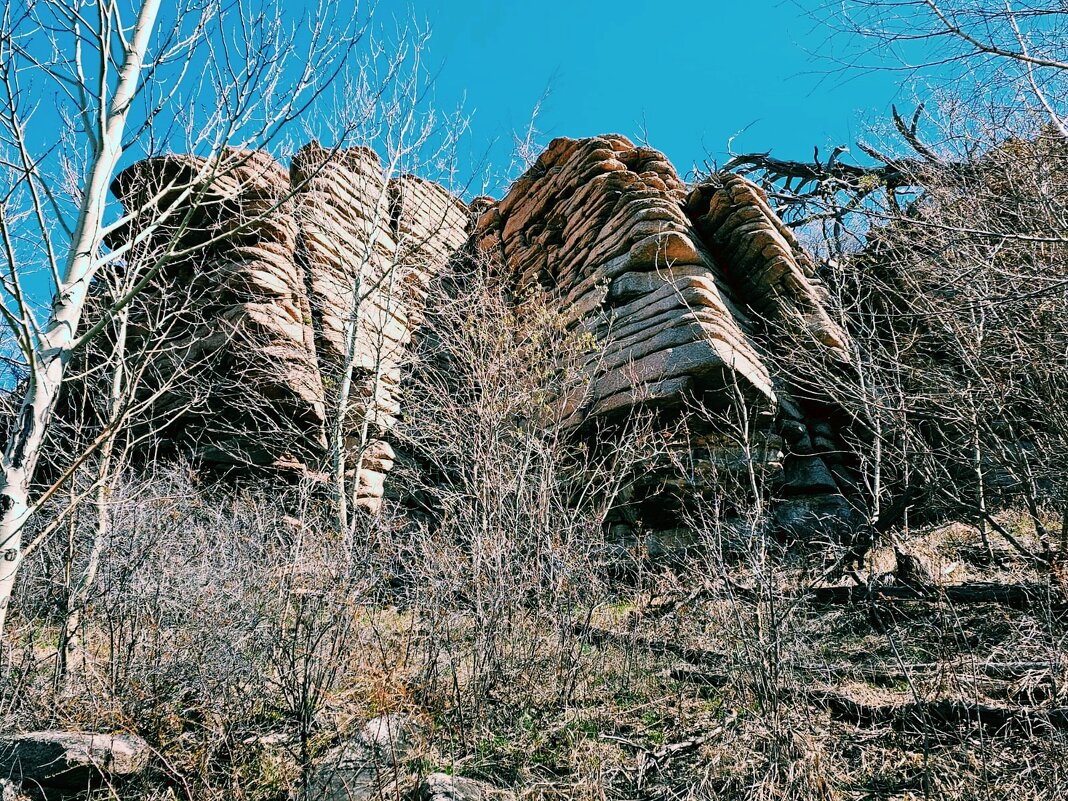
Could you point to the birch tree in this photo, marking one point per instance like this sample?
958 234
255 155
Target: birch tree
113 82
370 306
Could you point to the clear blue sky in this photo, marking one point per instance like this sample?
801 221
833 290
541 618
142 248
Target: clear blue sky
690 74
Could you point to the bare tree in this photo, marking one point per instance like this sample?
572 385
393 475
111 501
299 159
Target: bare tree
369 265
213 79
1011 52
121 395
946 258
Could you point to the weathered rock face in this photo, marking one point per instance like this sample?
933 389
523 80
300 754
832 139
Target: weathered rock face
676 286
60 764
762 259
601 222
368 247
240 370
687 292
289 279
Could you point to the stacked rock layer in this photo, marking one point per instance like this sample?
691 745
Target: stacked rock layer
298 297
227 320
680 288
302 292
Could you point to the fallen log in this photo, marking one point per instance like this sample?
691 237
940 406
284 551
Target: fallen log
1003 671
1016 596
942 714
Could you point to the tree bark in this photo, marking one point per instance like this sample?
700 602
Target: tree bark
52 351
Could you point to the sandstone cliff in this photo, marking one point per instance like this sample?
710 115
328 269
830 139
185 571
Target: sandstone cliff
290 277
241 330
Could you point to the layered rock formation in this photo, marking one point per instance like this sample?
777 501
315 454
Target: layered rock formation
295 302
676 285
368 247
302 293
228 318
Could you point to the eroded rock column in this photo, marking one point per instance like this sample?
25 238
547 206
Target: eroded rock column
368 246
228 316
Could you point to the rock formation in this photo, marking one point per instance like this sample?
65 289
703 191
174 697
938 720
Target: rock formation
676 285
368 247
288 280
62 764
688 291
368 765
239 330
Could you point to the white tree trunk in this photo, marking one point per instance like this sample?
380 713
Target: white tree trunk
52 350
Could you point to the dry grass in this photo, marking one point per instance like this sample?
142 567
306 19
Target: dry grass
688 687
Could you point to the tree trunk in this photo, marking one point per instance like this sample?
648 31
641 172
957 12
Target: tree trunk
78 598
53 349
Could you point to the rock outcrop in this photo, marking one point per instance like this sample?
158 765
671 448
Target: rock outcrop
368 247
293 299
302 293
683 290
228 319
601 222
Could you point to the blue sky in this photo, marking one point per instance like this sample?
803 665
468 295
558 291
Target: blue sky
690 75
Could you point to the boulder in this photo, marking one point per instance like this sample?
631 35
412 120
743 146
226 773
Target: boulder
390 735
443 787
357 769
62 763
348 772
